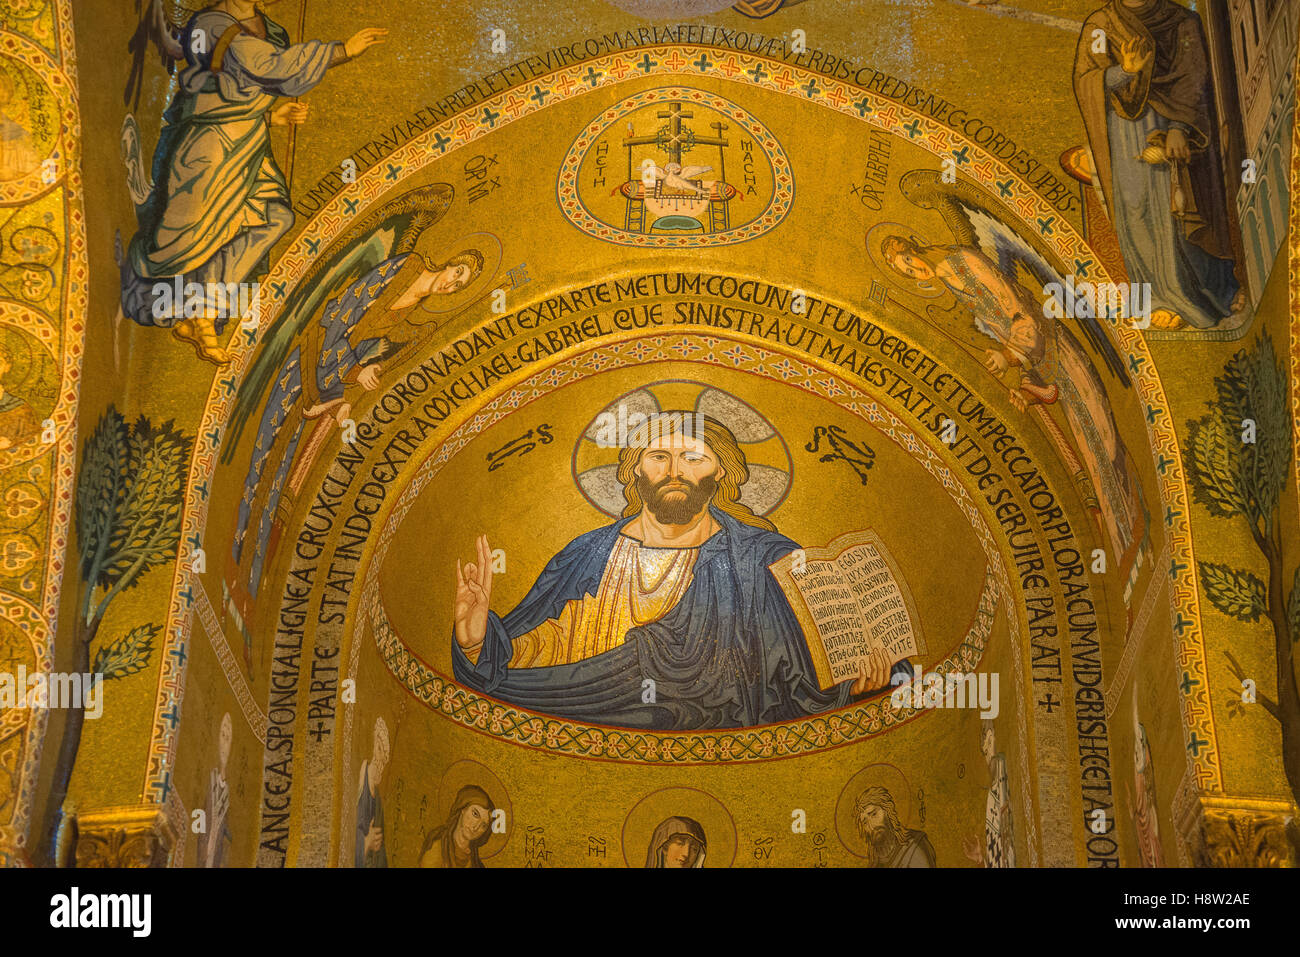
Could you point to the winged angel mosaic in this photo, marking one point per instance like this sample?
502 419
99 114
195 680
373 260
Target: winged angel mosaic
1044 362
362 310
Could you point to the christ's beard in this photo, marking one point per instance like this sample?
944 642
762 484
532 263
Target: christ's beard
688 499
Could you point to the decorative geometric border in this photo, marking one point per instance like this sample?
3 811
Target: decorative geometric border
31 187
575 210
37 325
1293 285
1137 635
673 61
253 714
27 618
61 79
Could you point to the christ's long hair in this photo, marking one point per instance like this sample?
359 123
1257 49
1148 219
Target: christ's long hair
726 498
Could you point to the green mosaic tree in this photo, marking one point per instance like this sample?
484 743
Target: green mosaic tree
1238 458
128 521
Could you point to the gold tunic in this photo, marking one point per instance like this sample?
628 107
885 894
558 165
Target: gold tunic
639 585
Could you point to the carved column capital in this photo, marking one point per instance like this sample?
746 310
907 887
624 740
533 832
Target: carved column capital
139 836
1225 831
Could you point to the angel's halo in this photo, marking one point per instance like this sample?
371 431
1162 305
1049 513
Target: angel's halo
913 287
489 247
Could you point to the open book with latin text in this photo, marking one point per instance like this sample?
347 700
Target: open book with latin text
850 600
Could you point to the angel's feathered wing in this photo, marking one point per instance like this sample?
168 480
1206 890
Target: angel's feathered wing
1009 250
390 231
967 215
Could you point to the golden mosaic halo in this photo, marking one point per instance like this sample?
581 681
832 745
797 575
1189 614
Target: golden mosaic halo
466 772
701 806
488 246
595 469
913 287
873 775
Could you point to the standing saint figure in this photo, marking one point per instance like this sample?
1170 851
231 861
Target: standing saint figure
369 849
1142 797
219 201
374 322
1142 80
889 842
999 848
668 619
677 842
468 827
212 843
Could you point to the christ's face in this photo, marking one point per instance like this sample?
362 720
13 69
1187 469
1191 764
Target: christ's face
676 477
680 852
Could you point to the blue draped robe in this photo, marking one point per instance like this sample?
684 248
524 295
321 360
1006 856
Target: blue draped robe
729 654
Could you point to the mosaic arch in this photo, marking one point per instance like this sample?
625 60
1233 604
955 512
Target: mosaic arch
340 497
